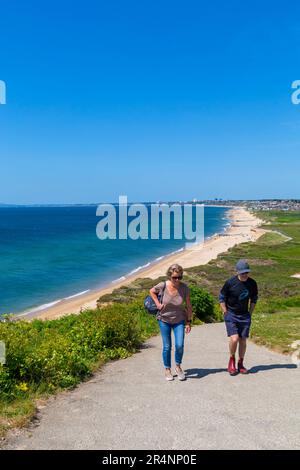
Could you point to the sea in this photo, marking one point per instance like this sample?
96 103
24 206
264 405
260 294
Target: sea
50 253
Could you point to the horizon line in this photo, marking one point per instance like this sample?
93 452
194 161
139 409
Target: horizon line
192 201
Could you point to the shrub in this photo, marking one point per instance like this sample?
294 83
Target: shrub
6 384
203 304
47 355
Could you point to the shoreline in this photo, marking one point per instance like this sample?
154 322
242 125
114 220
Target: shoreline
243 227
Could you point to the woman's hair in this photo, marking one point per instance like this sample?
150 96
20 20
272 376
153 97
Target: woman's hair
174 268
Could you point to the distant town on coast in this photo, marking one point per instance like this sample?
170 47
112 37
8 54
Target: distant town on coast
258 204
254 204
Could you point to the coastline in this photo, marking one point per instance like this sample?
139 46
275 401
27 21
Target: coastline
244 227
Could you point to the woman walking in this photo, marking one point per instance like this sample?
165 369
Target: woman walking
175 313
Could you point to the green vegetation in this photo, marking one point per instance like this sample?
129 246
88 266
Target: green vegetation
277 331
274 258
43 357
203 304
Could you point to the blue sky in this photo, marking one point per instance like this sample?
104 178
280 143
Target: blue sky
157 100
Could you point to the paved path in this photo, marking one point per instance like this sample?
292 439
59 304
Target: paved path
129 405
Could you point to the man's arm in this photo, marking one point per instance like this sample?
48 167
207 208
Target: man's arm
223 297
253 298
223 307
252 307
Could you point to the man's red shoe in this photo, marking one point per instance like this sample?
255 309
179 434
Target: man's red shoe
241 368
231 366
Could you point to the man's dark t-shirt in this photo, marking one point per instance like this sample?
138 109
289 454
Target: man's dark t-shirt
236 294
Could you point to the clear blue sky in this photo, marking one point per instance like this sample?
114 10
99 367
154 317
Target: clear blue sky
158 100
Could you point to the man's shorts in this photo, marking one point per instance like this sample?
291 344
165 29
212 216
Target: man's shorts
237 324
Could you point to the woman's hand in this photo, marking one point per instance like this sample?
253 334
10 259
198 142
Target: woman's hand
188 328
160 306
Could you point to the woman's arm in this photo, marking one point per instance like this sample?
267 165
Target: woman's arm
189 313
189 308
154 295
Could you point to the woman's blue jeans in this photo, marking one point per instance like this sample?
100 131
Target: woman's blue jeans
165 329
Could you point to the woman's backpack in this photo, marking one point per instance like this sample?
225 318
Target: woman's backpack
149 303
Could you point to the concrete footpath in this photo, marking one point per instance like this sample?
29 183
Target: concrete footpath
129 405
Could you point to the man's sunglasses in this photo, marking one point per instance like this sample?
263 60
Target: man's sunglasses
177 278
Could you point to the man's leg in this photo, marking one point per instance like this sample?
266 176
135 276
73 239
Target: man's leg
244 328
242 347
233 342
242 350
232 333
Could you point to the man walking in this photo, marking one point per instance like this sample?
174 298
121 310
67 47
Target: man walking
234 300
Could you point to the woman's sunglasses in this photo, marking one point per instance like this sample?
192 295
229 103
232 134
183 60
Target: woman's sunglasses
176 278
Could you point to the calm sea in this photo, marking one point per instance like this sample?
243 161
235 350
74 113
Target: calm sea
51 253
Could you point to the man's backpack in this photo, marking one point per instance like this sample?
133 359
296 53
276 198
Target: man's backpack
149 303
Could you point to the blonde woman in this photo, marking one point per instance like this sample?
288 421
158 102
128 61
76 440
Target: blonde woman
175 313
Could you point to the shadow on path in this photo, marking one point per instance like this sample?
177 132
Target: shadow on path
256 369
145 346
200 373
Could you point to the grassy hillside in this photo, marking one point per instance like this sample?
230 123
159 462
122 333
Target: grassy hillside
44 357
274 258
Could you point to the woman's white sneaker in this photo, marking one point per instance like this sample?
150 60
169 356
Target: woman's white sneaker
180 374
169 375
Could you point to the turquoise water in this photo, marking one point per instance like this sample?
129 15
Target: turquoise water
50 253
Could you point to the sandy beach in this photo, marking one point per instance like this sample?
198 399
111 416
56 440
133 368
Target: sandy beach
244 227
